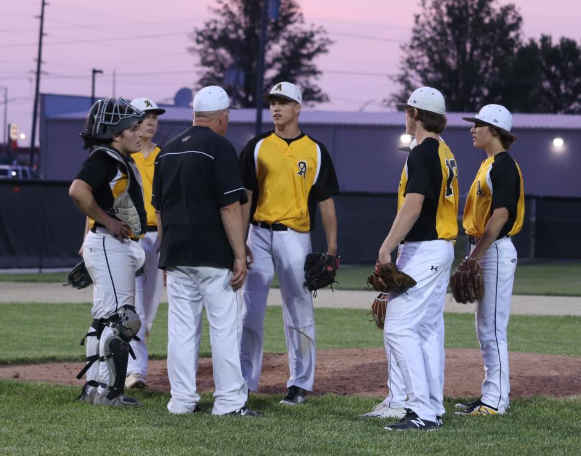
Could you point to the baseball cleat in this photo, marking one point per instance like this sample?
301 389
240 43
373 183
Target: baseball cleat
478 408
244 411
439 421
466 405
117 401
135 380
294 396
412 422
87 395
384 411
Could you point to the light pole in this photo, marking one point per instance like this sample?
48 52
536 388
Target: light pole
93 85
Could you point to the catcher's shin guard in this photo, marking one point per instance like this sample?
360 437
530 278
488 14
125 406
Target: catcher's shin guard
92 339
116 356
125 325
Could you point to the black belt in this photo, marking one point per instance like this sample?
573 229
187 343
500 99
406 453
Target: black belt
474 240
276 226
151 228
94 230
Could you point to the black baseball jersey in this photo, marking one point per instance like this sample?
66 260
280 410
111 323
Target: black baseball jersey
287 178
431 171
108 179
196 175
498 184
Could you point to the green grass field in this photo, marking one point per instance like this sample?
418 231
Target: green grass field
43 419
58 328
549 278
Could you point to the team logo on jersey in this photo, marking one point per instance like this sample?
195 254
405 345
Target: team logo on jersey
302 169
479 191
148 104
186 138
434 268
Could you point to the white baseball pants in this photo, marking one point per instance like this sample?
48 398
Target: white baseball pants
285 252
414 325
112 265
189 289
492 314
148 289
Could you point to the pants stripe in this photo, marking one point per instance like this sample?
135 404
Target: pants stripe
495 329
111 275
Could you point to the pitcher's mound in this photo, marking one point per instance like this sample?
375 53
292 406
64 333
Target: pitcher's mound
361 372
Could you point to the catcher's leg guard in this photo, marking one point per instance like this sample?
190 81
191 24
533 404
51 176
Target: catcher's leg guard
115 353
92 349
116 356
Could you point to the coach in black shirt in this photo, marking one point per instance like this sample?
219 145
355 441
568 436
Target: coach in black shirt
197 193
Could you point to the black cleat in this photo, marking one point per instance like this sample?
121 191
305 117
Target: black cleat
244 411
294 396
413 422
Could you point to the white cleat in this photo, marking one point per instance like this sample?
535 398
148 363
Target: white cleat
384 411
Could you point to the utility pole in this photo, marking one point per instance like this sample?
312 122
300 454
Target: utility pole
5 117
38 64
93 85
260 66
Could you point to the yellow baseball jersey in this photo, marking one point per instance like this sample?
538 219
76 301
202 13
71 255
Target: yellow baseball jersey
431 170
287 178
498 183
146 167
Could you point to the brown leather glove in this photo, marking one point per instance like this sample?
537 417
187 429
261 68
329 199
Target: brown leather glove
467 282
387 277
378 309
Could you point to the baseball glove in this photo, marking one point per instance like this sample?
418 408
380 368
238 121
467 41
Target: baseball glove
378 309
320 270
79 277
467 282
387 277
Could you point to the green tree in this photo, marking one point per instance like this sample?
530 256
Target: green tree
227 48
466 49
560 82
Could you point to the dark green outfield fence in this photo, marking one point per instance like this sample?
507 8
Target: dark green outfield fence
41 228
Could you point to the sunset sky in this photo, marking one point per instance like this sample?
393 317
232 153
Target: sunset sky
145 42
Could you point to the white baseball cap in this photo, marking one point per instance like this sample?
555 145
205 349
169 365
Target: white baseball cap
285 90
211 98
146 105
495 115
426 98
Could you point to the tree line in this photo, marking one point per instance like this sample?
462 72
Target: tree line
473 51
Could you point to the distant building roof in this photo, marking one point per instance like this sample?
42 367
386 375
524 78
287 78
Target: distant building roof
313 117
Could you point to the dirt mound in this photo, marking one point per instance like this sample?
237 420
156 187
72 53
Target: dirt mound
361 372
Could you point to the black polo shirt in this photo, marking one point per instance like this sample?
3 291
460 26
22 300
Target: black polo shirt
196 175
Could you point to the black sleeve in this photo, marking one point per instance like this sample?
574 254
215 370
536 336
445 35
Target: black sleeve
156 186
505 185
327 184
247 167
97 170
420 177
227 177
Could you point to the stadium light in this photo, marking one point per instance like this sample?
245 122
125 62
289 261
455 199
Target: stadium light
405 139
558 142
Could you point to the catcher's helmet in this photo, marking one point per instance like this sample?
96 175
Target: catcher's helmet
109 117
